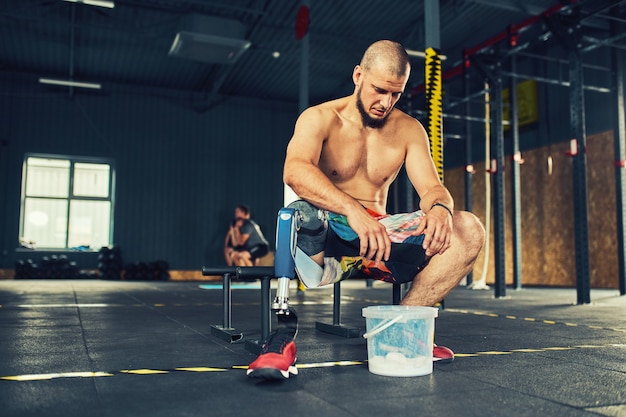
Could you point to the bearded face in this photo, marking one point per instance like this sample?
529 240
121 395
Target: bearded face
369 121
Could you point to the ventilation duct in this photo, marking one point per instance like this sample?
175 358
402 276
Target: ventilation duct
210 39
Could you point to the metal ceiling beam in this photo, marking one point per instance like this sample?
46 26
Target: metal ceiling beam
593 20
561 61
120 25
511 5
539 17
600 9
188 6
596 43
598 89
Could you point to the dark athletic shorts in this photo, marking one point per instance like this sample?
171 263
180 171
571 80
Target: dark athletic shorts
258 251
340 245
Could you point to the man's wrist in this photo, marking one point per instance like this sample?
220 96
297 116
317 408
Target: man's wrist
442 205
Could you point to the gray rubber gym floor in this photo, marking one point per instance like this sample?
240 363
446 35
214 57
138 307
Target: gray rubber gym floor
100 348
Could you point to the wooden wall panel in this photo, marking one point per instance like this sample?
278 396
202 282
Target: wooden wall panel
547 215
602 211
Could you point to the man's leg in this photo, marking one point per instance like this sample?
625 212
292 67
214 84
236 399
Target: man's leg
278 356
444 272
305 225
228 256
244 259
234 258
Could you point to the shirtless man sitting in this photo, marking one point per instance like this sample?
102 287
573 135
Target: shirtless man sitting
342 159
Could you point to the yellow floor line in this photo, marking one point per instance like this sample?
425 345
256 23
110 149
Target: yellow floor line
531 319
204 369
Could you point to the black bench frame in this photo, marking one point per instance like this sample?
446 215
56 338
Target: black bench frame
339 329
228 333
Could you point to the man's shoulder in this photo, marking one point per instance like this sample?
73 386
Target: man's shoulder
405 117
407 122
247 224
328 108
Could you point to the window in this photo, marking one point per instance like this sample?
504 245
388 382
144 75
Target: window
67 202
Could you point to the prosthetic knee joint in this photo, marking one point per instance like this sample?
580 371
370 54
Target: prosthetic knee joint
287 226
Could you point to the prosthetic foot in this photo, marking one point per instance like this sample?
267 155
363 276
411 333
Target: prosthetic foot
278 355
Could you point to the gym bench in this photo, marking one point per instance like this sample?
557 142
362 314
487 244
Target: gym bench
226 331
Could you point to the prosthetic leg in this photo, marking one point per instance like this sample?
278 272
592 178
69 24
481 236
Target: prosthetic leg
278 356
287 225
310 223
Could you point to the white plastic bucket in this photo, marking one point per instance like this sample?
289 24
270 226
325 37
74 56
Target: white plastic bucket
400 339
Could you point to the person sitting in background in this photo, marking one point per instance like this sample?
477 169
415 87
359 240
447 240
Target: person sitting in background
241 212
245 243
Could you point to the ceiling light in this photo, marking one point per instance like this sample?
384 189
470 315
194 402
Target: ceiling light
98 3
69 83
420 54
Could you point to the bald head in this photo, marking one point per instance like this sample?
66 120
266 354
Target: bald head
389 55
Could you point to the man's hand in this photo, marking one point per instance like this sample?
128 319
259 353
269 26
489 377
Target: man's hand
436 226
375 243
235 233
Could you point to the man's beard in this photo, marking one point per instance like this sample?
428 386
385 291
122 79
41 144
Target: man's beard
369 121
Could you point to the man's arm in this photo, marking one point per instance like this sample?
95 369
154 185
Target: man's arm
238 238
301 170
227 240
303 175
437 225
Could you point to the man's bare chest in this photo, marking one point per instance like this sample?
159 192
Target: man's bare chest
371 158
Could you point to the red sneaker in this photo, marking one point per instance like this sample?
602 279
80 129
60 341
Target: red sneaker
442 354
277 359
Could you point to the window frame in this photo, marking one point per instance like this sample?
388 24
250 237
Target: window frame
73 160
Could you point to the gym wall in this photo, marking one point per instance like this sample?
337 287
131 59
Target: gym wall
547 215
181 168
